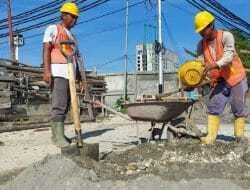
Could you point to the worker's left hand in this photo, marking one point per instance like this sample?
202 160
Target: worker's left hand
47 77
208 67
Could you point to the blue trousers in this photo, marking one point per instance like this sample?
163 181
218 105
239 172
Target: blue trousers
223 93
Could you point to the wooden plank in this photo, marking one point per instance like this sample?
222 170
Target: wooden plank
18 68
7 79
245 51
5 93
5 105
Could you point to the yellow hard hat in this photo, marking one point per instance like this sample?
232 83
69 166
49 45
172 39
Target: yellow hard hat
190 74
202 19
70 8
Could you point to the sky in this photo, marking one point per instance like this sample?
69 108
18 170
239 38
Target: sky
101 31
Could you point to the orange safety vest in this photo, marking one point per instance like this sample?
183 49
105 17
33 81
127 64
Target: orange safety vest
56 55
232 73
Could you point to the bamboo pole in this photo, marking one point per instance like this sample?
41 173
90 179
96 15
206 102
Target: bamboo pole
245 51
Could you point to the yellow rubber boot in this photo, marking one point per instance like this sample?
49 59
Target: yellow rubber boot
239 127
212 129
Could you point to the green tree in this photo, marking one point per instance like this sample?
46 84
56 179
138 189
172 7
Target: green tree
242 43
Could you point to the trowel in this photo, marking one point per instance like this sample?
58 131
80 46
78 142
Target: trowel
81 148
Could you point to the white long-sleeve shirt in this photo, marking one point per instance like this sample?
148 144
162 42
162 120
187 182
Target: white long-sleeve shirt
228 52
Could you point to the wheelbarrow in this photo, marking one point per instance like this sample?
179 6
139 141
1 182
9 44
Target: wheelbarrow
168 112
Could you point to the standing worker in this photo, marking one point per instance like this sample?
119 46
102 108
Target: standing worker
56 72
217 51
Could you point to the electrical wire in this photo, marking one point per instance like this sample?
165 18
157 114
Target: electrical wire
89 20
41 10
175 44
229 14
111 61
110 13
226 23
111 28
56 19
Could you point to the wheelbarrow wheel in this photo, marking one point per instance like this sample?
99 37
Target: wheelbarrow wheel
172 136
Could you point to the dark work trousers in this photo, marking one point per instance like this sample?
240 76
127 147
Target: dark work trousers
223 93
60 99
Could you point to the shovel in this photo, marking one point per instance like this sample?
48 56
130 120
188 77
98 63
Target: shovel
81 149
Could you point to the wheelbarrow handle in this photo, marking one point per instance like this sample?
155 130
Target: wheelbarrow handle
67 55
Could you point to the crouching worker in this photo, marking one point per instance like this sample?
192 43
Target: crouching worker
56 71
217 50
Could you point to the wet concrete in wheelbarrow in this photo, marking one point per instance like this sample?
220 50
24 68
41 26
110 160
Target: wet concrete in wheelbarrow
186 164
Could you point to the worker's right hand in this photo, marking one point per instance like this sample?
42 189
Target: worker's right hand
208 67
47 77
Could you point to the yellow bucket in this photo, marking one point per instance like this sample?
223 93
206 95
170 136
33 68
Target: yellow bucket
191 73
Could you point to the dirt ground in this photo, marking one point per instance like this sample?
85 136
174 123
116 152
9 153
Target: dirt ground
127 160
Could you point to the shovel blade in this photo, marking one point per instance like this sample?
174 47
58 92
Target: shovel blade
87 150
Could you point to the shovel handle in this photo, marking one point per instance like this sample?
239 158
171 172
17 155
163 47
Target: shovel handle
74 101
67 55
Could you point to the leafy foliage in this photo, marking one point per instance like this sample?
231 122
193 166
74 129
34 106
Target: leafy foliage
119 104
242 43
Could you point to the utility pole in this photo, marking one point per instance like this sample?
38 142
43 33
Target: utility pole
161 85
12 49
126 55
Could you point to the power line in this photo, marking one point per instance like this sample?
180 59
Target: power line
39 10
93 19
111 61
180 8
227 24
110 13
111 28
175 44
222 10
225 13
56 19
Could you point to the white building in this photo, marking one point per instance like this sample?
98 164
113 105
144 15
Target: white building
147 59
